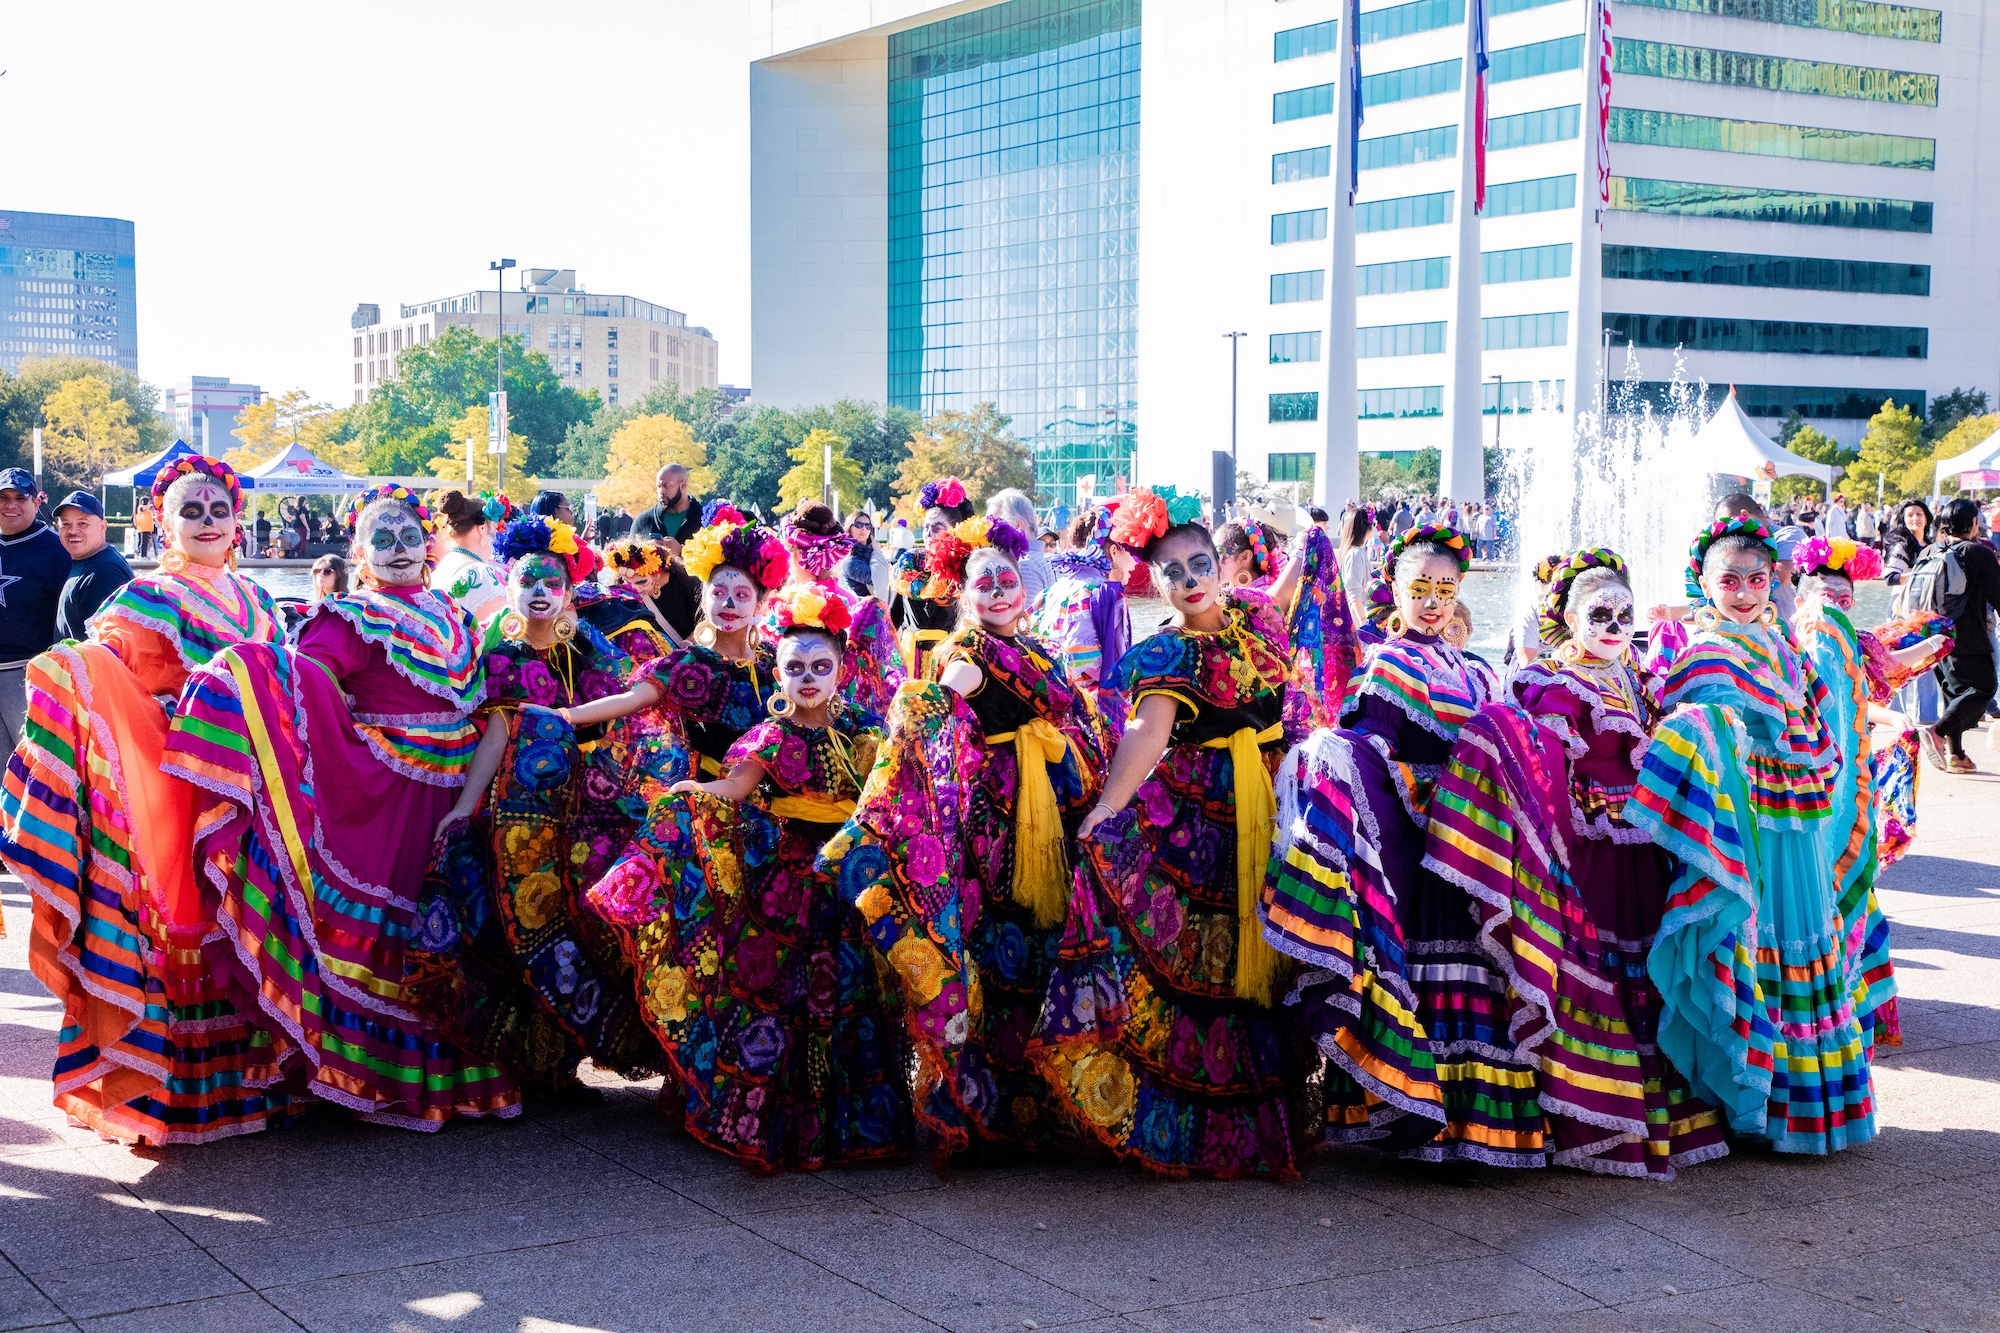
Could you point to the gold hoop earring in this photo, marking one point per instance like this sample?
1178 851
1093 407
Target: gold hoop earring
172 561
1570 651
565 627
1706 617
704 634
1769 615
780 707
1395 626
513 627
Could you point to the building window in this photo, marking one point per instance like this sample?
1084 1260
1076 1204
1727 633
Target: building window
1403 150
1862 17
1295 407
1512 396
1305 286
1302 103
1505 332
1406 275
611 366
1528 264
1749 203
1516 6
1311 40
1420 401
1291 467
611 336
1400 339
1288 348
1818 402
1303 164
1740 69
1401 85
1549 125
357 372
1413 210
396 337
1536 58
1645 263
612 392
653 343
653 368
1769 335
1306 225
423 333
552 335
1380 25
1540 195
1805 143
357 346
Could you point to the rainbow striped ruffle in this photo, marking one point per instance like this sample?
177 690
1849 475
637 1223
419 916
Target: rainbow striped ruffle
431 641
1432 684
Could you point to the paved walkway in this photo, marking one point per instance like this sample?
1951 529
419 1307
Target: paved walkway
594 1218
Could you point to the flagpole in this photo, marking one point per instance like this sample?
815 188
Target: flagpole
1462 475
1594 179
1340 470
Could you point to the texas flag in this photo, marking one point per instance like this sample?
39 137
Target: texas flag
1480 63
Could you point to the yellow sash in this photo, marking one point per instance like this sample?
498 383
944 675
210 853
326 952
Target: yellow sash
709 766
1256 825
1041 874
816 809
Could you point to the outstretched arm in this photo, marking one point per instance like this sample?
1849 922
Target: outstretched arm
742 780
1139 752
479 775
612 706
962 678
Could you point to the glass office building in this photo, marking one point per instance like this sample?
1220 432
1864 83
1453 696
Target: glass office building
1014 227
66 289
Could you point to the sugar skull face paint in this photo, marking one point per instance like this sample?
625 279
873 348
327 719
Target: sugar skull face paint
202 522
808 669
729 599
1601 621
1425 596
394 546
1187 570
1739 583
538 586
993 586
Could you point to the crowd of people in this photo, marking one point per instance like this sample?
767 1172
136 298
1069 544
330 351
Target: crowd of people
871 851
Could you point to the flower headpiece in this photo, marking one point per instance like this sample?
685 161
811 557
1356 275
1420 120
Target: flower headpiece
1546 567
637 559
549 536
1180 508
1549 620
499 509
1740 526
1382 588
946 553
1839 556
202 463
720 511
944 493
807 606
1141 520
749 547
1093 555
408 498
817 555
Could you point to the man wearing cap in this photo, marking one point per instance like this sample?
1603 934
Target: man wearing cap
95 570
33 565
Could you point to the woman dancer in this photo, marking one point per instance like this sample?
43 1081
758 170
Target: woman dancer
150 1050
465 570
955 854
1587 691
505 956
926 608
818 547
762 987
1159 1035
1083 616
317 859
627 614
1750 959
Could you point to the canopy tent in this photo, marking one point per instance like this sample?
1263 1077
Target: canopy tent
142 474
1981 457
296 472
1731 444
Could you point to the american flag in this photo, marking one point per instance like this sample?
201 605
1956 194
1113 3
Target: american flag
1480 64
1354 98
1603 108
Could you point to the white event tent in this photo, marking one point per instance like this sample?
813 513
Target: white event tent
1731 444
1982 457
295 471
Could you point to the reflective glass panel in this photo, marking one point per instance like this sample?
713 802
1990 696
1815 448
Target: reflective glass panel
1540 195
1303 164
1526 62
1291 347
1646 263
1306 286
1400 85
1291 467
1502 332
1750 203
1402 150
1302 103
1400 339
1307 224
1859 16
1511 396
1768 335
1549 125
1294 407
1823 402
1515 6
1527 264
1778 74
1415 401
1670 129
1407 275
1379 25
1311 40
1411 210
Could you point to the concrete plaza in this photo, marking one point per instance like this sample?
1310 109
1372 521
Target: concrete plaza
582 1218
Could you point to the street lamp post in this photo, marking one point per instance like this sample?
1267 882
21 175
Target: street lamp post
1234 465
499 269
1499 407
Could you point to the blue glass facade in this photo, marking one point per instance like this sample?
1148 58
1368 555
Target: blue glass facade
1014 227
66 289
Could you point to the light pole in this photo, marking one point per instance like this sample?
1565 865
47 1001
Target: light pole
1234 341
1499 407
499 269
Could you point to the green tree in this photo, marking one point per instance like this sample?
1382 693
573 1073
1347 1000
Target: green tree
976 447
89 433
1948 409
1808 442
501 472
23 393
643 445
1894 455
878 440
586 445
755 457
807 479
268 428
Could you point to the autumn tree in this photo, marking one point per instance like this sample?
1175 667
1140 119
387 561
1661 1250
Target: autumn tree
637 452
490 472
807 478
976 447
1963 438
1894 456
25 390
88 434
269 428
1809 443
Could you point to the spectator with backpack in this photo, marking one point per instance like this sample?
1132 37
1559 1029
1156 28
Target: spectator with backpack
1958 577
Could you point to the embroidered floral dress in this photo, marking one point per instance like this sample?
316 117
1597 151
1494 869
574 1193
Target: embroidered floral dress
325 769
1751 959
925 611
620 615
872 666
150 1048
1602 715
1146 1035
507 957
934 858
760 980
1083 617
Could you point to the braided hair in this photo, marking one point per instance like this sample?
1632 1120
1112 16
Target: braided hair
1578 573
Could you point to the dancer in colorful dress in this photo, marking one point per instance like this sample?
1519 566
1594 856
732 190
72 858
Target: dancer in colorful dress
956 852
761 985
315 858
818 547
627 614
506 956
465 569
925 609
1083 616
150 1049
1160 1033
1751 958
1862 674
1587 692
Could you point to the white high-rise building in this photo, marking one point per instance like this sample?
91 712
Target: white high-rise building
1062 206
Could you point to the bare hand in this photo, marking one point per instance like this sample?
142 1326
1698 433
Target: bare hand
688 787
1098 814
452 819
